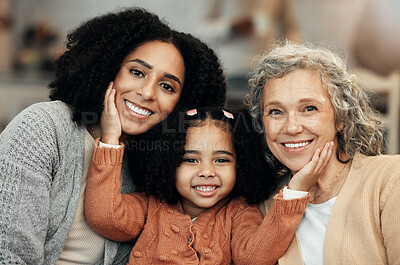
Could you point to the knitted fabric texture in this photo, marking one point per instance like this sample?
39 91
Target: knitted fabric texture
364 223
231 231
41 163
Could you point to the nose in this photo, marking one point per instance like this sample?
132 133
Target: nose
293 124
147 90
207 170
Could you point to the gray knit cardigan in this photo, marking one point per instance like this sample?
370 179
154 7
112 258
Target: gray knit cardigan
41 161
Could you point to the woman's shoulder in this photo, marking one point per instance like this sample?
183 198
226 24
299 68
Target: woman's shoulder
382 169
40 123
51 113
56 109
38 112
384 162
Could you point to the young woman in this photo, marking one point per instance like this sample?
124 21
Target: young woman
46 149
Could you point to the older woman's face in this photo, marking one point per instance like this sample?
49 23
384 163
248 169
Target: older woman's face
148 86
298 117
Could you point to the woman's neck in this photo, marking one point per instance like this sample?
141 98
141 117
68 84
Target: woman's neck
94 130
330 183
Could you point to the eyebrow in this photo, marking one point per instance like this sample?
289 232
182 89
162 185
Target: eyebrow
303 100
173 78
148 66
215 152
224 152
142 63
191 152
274 102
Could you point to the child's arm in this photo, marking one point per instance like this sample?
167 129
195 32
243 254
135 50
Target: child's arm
263 241
117 216
253 243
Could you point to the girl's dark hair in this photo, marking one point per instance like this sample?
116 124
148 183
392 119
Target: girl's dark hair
255 180
96 49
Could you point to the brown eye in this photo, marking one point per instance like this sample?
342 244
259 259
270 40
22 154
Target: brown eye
167 87
222 160
190 160
136 72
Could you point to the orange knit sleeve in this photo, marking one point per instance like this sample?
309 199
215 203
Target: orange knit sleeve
263 241
119 217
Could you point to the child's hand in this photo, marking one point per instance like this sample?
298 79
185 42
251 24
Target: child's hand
309 174
110 122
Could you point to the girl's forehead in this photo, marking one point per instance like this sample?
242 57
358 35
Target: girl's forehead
207 129
208 137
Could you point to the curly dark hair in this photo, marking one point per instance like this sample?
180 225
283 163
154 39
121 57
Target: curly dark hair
204 84
255 179
97 48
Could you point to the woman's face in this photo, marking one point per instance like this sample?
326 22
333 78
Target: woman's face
148 86
298 117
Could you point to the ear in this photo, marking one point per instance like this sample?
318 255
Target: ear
339 126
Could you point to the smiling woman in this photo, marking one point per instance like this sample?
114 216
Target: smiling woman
302 98
298 118
148 86
130 69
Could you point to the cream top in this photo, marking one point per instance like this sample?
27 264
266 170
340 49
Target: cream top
84 245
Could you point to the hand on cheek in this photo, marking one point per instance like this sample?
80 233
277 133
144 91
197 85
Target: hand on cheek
309 174
110 122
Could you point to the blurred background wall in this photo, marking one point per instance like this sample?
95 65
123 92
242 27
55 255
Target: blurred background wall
366 32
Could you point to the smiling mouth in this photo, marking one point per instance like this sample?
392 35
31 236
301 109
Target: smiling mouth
138 110
297 145
205 188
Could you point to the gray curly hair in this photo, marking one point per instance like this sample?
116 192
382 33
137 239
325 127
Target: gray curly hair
362 130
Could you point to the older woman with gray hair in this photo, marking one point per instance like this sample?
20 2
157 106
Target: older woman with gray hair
302 97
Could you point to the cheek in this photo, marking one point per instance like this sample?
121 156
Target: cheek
119 81
182 176
231 178
326 128
271 130
119 102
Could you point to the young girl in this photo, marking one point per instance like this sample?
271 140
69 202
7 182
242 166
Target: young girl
196 215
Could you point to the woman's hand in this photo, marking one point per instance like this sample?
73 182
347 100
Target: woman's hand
310 173
110 122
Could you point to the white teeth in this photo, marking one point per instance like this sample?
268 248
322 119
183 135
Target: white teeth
205 188
137 110
297 145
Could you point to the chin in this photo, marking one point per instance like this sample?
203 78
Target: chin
135 129
296 167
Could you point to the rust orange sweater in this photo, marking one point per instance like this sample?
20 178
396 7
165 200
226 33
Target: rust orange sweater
231 231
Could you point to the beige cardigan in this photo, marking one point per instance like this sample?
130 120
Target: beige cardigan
364 226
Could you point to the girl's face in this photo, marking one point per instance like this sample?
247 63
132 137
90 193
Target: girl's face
298 118
148 86
208 171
